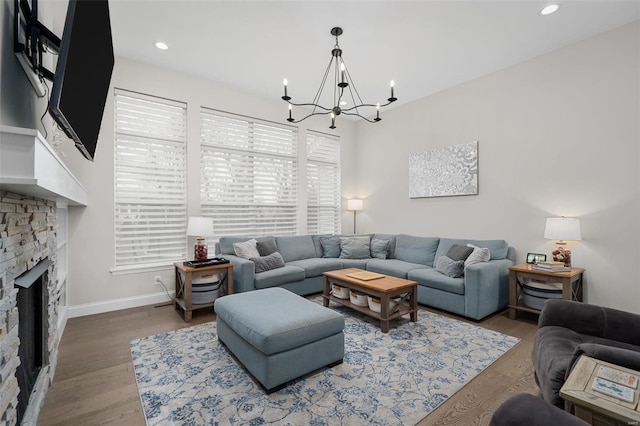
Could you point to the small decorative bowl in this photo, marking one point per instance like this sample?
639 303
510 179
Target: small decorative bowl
358 299
340 292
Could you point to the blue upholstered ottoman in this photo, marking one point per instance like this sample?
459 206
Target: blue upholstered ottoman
279 336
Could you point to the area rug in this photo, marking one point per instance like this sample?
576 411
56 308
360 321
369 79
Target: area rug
186 377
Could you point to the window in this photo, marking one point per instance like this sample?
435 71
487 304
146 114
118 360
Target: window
150 179
323 184
248 174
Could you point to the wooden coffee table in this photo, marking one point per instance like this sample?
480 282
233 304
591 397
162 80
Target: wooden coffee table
384 288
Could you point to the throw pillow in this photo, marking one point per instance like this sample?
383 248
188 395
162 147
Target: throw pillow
355 248
449 267
379 248
458 252
246 249
267 263
478 255
330 246
265 248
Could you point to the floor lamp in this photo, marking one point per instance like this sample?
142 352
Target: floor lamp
354 205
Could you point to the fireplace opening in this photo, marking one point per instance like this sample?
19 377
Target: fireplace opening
32 330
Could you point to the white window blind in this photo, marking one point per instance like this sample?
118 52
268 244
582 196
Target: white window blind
323 183
248 174
150 179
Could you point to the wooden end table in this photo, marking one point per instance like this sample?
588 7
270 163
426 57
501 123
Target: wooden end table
384 288
183 282
571 285
594 407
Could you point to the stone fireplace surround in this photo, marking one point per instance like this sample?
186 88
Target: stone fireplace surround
28 227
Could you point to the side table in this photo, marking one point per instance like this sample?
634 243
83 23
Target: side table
571 285
594 407
184 279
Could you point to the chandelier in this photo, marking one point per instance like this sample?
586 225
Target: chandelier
343 89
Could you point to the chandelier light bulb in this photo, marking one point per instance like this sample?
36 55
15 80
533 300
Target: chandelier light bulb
392 84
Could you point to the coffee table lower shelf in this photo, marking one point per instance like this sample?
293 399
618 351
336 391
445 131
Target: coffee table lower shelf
384 289
403 308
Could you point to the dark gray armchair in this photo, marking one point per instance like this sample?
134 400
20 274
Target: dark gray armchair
524 409
568 330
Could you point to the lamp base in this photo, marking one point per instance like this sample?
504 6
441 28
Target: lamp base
561 254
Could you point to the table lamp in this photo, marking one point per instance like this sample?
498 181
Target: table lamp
562 229
354 204
200 227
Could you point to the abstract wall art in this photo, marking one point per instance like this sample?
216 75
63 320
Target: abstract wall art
444 172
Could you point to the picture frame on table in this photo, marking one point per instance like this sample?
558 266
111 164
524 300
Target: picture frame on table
533 258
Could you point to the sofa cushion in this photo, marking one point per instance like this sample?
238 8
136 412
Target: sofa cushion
265 248
330 246
226 243
434 279
449 267
316 267
296 247
498 248
379 248
395 267
416 249
267 263
275 277
355 247
355 263
246 249
392 243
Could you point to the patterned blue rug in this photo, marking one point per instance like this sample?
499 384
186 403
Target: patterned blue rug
186 377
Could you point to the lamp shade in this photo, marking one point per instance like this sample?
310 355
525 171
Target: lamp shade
200 227
354 204
563 228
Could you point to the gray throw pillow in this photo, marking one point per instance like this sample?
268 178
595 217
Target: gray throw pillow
265 248
449 267
267 263
379 248
458 252
330 246
355 247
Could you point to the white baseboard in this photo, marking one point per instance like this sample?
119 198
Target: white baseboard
118 304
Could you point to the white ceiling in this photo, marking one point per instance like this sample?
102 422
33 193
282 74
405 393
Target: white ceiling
425 46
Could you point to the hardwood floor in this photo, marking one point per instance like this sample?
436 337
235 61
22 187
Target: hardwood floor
94 382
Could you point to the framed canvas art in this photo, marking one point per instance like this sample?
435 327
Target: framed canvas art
444 172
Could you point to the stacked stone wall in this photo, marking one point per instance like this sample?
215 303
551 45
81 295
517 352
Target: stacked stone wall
27 235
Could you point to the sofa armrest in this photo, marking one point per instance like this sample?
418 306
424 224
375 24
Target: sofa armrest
486 287
243 273
626 358
593 320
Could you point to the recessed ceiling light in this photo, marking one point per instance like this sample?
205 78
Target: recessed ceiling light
343 103
161 45
549 9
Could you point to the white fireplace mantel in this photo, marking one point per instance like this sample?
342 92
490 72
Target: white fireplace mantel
30 166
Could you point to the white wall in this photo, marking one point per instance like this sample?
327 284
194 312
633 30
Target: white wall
558 135
91 229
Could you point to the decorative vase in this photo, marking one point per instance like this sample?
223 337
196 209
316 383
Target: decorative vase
560 254
200 249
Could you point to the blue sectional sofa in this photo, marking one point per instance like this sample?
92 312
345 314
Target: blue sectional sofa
482 290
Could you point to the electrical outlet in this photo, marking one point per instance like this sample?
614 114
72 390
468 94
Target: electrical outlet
158 280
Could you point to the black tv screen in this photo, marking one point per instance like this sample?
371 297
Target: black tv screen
83 73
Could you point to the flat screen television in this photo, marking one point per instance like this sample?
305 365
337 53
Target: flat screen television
83 73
